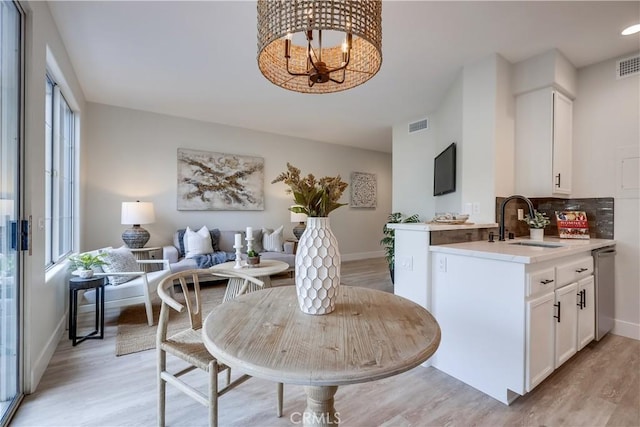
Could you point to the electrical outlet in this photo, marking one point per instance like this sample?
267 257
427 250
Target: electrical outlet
442 264
476 208
406 263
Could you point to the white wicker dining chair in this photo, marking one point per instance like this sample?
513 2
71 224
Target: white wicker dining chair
188 346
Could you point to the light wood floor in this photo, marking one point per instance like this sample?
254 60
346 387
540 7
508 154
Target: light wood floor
88 386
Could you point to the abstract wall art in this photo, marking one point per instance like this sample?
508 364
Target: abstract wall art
217 181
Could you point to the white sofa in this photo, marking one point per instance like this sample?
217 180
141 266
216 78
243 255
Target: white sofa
222 242
142 289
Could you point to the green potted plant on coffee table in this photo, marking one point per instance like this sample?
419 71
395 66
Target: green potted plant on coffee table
253 258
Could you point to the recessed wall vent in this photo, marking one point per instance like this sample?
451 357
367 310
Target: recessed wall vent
628 67
418 126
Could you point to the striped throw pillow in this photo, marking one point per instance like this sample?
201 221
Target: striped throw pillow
272 240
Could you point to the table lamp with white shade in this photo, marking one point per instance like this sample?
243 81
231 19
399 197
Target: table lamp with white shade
300 218
136 213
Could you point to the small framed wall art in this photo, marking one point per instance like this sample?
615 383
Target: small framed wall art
364 190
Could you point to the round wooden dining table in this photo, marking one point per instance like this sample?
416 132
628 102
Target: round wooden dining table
370 335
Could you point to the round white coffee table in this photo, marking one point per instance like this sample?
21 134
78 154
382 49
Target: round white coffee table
265 269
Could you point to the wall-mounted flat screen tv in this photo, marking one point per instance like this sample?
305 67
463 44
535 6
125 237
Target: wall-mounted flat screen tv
444 171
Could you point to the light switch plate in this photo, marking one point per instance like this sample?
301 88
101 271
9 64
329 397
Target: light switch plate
442 264
406 263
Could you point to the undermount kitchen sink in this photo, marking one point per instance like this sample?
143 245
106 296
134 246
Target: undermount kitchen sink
537 244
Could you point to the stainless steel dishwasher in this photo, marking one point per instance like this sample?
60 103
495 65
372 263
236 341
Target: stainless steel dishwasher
604 275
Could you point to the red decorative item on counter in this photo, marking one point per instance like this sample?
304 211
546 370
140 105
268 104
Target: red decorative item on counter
572 225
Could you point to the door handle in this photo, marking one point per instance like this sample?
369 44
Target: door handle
580 299
558 316
557 180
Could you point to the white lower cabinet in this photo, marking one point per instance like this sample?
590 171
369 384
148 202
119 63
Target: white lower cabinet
540 339
586 312
560 316
566 317
534 316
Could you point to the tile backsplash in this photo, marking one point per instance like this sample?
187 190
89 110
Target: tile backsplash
599 213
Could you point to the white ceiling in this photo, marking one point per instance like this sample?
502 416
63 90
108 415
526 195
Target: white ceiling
198 59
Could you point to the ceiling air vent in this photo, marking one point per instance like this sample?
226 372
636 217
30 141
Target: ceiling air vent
628 67
418 126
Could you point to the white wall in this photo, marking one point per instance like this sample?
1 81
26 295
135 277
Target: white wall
550 68
477 112
45 295
479 135
606 117
449 125
413 170
504 148
132 155
413 159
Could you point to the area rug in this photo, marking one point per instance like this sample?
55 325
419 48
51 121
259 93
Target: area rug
134 334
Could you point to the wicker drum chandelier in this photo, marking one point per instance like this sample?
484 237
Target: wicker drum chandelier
291 52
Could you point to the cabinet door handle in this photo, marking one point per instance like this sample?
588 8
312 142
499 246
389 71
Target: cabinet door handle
546 281
582 269
584 298
580 297
557 180
558 316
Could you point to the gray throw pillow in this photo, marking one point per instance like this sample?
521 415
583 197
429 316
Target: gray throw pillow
118 261
256 244
227 240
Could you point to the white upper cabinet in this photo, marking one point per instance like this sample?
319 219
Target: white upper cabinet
543 148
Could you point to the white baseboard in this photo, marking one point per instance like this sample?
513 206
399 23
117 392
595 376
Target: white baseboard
626 329
43 359
362 255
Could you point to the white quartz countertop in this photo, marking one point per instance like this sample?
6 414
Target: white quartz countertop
428 226
507 251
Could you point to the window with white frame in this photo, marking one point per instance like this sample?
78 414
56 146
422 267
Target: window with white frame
59 186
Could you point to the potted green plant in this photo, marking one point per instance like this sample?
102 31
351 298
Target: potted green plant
84 263
389 239
253 258
536 225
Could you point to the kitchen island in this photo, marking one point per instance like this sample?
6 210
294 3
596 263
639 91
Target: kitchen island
511 313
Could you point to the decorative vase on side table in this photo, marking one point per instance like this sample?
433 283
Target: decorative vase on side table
317 267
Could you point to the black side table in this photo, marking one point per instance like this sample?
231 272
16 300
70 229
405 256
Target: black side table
76 284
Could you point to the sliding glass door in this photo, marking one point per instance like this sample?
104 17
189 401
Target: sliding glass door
10 143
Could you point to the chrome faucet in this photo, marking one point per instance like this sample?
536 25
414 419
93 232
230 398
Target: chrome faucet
503 204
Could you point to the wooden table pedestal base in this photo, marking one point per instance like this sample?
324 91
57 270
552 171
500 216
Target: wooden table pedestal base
320 411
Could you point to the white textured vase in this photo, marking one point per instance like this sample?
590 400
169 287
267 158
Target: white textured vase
317 267
536 234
